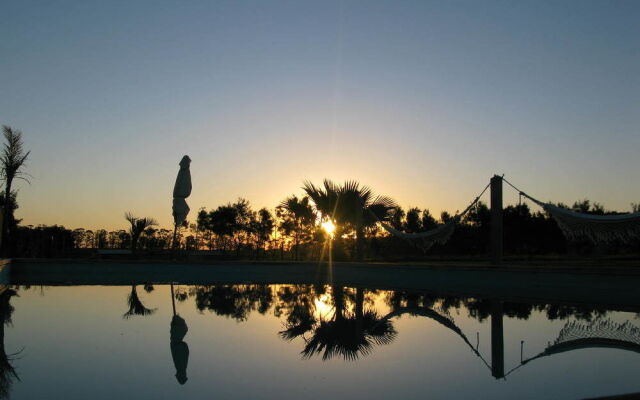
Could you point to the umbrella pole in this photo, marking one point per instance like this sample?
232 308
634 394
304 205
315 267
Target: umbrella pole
173 301
173 242
175 234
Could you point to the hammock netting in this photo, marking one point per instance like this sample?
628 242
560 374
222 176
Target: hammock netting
437 235
574 225
596 334
601 329
597 228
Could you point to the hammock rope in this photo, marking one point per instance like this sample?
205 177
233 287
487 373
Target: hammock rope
439 234
597 228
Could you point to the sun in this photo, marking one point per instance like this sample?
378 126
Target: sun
329 227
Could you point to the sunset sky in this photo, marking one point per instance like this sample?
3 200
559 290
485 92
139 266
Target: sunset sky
421 100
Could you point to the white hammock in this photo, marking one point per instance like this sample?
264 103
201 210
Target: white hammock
439 234
598 228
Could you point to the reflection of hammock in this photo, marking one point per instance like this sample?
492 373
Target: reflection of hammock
598 228
439 234
444 320
597 334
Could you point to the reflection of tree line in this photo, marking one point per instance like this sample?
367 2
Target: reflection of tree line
7 372
332 321
349 326
480 309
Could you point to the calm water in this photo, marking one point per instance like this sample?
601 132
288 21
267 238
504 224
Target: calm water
285 341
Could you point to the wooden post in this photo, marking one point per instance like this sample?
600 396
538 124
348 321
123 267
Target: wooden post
497 340
496 220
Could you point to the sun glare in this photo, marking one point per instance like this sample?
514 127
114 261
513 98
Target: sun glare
323 306
329 227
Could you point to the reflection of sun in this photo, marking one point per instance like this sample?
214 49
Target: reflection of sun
329 227
323 305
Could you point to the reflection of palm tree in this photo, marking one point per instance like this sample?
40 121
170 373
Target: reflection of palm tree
7 372
347 334
299 321
349 337
350 205
135 305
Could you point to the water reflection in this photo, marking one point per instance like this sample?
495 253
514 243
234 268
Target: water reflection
349 323
346 334
601 333
135 305
179 349
7 372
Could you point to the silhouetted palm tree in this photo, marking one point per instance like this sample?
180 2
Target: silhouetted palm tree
350 205
138 225
12 160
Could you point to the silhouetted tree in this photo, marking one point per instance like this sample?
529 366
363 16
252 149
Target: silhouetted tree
297 219
263 228
428 222
396 218
12 161
413 222
138 225
12 223
350 205
223 221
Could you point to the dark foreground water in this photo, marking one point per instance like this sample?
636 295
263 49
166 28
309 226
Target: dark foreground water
305 341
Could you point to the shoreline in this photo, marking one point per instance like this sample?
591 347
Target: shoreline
615 286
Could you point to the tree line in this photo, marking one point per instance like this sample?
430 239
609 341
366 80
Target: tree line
293 229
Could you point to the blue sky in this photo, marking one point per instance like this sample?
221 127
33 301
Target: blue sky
421 100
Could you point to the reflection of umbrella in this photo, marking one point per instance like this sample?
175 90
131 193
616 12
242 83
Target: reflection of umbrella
181 190
179 349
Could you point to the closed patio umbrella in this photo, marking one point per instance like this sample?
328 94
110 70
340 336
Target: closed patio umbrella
181 190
